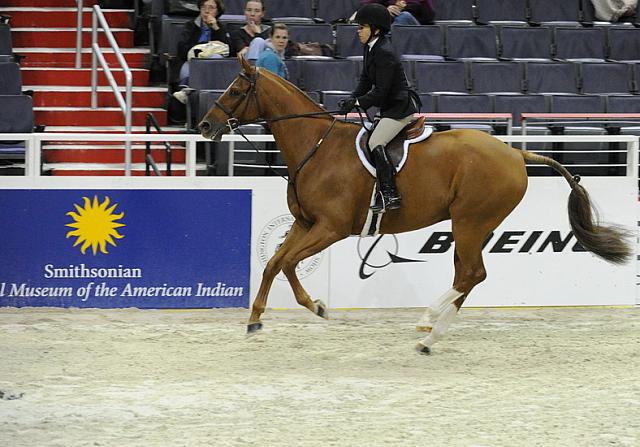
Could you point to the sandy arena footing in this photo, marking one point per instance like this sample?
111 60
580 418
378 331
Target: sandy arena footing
500 378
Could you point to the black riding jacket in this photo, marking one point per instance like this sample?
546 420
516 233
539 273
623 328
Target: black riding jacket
384 84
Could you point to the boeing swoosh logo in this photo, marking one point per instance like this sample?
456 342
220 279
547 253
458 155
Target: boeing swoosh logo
368 268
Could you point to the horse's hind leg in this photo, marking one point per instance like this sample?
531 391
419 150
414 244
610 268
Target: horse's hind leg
317 239
469 271
271 270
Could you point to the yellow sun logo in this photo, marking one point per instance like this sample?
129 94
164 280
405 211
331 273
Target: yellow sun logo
95 225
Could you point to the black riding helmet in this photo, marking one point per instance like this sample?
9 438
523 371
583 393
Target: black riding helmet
374 15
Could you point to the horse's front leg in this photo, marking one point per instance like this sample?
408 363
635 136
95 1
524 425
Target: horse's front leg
270 271
317 239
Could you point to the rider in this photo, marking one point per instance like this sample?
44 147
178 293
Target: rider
384 84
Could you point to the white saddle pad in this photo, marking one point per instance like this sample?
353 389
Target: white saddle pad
428 130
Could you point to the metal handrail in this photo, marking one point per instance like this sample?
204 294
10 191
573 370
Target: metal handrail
79 35
33 145
124 103
149 161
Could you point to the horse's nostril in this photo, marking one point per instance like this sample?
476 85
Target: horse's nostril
204 126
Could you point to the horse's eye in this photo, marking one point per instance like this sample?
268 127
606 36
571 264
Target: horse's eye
234 92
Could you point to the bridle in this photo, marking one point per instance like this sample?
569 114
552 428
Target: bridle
234 124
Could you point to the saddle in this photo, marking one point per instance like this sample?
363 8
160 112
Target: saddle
397 151
395 148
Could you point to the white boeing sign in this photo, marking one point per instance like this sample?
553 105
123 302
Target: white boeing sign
532 259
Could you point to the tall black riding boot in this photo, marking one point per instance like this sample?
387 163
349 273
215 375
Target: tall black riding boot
386 181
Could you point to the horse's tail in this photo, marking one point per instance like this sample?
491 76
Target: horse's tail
610 242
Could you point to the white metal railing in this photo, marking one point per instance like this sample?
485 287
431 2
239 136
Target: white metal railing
79 35
126 104
34 142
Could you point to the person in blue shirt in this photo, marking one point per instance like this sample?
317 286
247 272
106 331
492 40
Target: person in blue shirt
272 55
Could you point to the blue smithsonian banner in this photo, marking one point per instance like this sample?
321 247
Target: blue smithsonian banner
125 248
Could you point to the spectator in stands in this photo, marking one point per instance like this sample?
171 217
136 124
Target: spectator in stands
383 83
407 12
241 39
204 28
272 55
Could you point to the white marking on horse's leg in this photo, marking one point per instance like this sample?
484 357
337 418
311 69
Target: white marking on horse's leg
441 325
433 312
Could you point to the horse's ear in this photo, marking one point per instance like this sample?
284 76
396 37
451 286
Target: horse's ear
246 66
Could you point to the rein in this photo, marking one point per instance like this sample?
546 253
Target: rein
234 126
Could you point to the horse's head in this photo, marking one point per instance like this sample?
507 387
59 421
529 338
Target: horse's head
237 105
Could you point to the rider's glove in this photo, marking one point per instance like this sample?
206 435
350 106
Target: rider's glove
346 105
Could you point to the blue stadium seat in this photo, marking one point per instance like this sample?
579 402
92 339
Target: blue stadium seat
448 10
543 77
554 11
319 32
172 28
234 6
428 103
298 8
516 105
10 79
441 77
331 98
465 42
502 10
347 43
489 77
577 104
16 114
171 31
315 96
463 103
294 71
606 77
328 74
579 43
212 74
581 104
208 74
330 10
518 43
624 43
6 48
419 41
623 104
206 100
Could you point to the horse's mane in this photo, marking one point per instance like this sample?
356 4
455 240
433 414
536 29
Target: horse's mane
293 89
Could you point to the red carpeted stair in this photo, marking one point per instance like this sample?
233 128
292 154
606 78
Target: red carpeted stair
44 31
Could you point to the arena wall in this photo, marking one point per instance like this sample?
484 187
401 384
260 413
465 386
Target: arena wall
214 235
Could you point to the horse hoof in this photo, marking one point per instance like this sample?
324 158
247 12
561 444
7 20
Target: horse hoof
422 349
253 328
424 328
321 309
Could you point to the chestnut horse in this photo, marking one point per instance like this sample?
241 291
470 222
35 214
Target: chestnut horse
467 176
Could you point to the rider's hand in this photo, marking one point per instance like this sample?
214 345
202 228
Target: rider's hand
346 105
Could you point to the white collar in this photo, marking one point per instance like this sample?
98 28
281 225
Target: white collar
373 42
